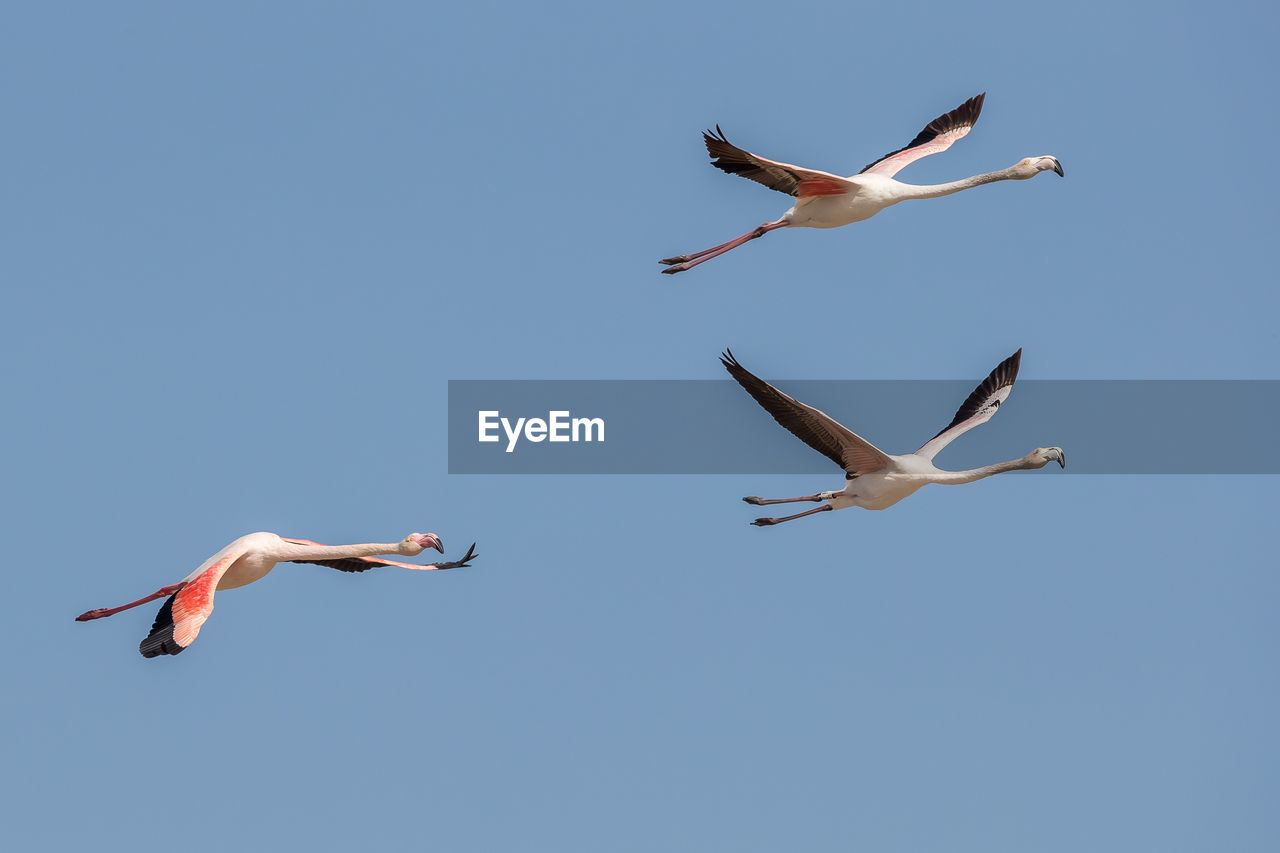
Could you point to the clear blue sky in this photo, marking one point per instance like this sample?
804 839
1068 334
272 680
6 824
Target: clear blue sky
245 248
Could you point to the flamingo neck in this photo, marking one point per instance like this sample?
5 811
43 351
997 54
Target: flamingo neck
955 478
292 551
913 191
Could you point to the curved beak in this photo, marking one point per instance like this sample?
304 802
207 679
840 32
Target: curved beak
1062 459
1057 167
430 540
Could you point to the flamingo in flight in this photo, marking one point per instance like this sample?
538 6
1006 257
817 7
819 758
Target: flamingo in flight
824 200
875 479
248 559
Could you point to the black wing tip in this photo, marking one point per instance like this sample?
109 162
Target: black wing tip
726 156
160 641
965 114
1012 363
740 374
1002 375
754 385
714 140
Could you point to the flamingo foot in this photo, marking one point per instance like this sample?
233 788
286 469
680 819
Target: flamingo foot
465 562
678 259
765 522
680 267
93 614
754 500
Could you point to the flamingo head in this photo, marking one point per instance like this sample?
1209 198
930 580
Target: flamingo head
1042 456
1032 166
416 543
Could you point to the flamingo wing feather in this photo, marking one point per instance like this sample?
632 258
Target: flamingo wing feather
938 135
180 618
783 177
359 564
817 429
979 407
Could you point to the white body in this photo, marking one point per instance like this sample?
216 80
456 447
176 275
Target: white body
901 479
253 564
874 193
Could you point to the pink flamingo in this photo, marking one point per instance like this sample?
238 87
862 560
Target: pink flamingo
824 200
248 559
874 479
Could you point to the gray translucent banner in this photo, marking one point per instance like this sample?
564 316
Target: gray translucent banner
714 427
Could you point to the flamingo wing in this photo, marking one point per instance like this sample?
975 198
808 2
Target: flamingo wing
363 564
782 177
817 429
938 135
179 620
979 407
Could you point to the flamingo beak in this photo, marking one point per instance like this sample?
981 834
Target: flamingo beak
1062 459
1057 167
430 540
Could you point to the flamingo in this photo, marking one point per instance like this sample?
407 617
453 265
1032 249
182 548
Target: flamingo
875 479
248 559
824 200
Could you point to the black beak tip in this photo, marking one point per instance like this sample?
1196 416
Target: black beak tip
1062 460
1057 167
439 545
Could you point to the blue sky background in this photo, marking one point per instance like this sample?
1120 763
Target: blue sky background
245 248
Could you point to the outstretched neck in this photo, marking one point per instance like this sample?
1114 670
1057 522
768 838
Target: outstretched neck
954 478
913 191
294 551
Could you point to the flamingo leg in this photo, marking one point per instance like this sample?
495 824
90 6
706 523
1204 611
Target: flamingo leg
766 501
765 522
680 259
680 263
112 611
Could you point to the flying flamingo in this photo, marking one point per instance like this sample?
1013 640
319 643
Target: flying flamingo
874 479
824 200
248 559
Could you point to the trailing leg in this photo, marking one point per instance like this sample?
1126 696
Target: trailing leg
766 522
766 501
680 263
112 611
